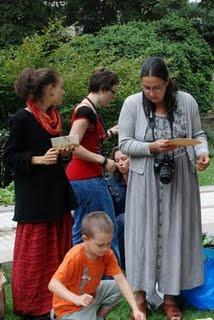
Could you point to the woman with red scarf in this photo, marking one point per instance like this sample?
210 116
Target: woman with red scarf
43 196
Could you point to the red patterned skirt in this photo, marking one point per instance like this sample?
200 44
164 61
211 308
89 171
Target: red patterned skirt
38 251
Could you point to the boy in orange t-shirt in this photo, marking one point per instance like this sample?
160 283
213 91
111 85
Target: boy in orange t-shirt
79 292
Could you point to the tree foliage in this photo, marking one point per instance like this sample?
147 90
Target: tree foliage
23 18
202 16
122 48
17 18
95 14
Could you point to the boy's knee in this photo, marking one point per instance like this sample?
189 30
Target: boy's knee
113 293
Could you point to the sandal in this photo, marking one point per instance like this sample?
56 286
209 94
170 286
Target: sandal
172 311
142 307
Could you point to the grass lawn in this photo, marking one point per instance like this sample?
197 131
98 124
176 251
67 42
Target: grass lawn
9 306
121 312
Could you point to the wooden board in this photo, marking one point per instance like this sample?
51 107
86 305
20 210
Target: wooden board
184 142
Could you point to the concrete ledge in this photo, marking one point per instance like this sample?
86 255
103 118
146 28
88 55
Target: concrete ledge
6 208
206 189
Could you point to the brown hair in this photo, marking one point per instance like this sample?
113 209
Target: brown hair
117 174
31 83
102 79
96 221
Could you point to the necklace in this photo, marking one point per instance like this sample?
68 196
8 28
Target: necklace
92 103
98 115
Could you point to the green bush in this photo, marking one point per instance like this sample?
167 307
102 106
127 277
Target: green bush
5 173
7 195
122 48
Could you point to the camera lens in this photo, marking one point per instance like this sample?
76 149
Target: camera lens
165 174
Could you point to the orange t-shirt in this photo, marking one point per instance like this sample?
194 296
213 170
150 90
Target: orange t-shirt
80 275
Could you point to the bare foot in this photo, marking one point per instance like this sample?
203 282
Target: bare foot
171 309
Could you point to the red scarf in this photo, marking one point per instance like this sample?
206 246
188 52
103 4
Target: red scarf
50 120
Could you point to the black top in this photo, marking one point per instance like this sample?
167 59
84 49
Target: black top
86 112
42 192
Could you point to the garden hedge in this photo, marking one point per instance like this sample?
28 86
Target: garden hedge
122 48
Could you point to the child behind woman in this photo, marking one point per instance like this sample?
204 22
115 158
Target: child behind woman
117 183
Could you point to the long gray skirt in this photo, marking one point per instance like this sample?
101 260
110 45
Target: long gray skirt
163 230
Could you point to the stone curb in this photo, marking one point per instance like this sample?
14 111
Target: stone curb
207 189
6 208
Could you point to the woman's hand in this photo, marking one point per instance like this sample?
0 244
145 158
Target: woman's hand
50 157
66 152
202 162
110 166
113 131
161 145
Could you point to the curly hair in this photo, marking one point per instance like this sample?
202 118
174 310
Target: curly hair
32 82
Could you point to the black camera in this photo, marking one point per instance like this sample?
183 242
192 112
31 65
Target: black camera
164 166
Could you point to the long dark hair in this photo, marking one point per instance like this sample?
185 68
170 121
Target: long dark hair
156 67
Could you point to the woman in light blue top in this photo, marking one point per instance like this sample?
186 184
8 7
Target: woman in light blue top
163 217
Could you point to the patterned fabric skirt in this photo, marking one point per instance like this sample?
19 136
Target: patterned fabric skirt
39 249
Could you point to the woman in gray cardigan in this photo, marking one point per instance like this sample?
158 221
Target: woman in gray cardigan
163 217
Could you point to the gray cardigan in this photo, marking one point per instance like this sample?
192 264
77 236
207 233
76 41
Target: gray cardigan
133 123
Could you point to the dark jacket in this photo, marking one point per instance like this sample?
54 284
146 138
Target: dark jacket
117 189
42 192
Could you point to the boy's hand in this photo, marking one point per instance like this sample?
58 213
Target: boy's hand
138 315
84 300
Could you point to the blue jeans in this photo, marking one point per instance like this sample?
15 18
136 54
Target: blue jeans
120 227
93 195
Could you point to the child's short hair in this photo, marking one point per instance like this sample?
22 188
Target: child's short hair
96 221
